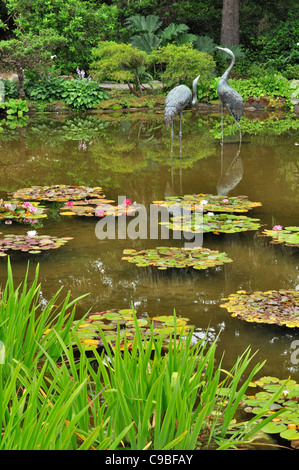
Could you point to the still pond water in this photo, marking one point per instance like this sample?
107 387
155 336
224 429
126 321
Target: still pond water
130 155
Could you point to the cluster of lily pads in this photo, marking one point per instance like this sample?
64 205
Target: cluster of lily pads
210 222
173 257
30 243
286 391
58 192
98 208
209 202
107 323
20 211
288 235
275 307
78 200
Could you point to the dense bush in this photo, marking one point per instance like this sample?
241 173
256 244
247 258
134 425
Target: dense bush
181 64
81 23
81 93
10 89
278 46
48 89
117 62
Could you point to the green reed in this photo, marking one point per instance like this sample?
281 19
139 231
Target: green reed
54 396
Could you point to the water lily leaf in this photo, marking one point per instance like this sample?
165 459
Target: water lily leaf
174 257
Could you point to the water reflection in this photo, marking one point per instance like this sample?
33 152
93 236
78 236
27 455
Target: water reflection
131 155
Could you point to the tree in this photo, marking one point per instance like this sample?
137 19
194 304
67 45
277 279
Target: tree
29 52
118 62
230 23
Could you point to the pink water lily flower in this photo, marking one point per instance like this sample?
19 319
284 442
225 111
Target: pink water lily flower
70 203
100 213
27 204
225 200
8 222
128 202
32 209
277 227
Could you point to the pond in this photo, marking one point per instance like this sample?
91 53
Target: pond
129 154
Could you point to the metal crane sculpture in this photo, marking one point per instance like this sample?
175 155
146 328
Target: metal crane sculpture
177 100
229 97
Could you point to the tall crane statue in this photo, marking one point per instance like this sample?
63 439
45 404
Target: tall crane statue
229 97
177 100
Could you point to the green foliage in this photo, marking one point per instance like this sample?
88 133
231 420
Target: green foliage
10 89
81 23
30 51
46 89
278 46
15 106
271 85
82 94
147 35
181 64
205 44
117 62
139 23
79 94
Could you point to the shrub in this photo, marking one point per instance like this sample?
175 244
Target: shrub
181 64
278 46
118 62
48 89
10 89
82 94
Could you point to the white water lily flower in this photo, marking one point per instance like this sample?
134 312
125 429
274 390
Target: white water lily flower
203 202
32 233
210 213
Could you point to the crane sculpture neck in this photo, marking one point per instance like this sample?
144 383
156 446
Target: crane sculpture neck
227 72
194 93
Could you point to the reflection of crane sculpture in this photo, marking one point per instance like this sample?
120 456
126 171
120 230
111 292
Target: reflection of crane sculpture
229 97
176 100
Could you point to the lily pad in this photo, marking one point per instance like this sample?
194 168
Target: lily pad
59 192
107 323
20 211
209 202
174 257
289 235
32 244
287 400
210 222
274 307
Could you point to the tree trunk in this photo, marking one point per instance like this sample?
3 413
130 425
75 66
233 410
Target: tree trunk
230 23
21 77
132 90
